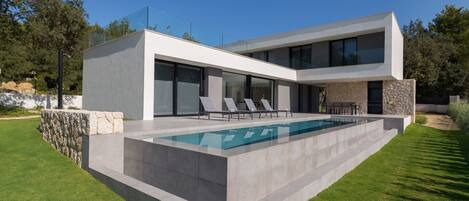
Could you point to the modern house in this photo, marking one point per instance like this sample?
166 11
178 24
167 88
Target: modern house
149 74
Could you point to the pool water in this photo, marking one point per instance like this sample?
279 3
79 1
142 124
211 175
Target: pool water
231 138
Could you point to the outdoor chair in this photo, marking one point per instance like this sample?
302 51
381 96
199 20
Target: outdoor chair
208 107
230 104
267 107
253 108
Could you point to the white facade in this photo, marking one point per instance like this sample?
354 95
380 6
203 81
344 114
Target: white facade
119 75
391 69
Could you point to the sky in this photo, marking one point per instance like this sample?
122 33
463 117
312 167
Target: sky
229 21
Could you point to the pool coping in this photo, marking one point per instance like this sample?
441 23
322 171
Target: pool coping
244 148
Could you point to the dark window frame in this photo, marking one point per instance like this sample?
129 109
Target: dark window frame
290 56
175 80
343 51
247 86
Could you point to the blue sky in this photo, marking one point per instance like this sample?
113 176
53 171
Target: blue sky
244 19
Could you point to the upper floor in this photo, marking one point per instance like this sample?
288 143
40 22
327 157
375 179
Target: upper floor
368 48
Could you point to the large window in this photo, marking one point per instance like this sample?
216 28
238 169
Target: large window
300 57
343 52
262 89
234 86
177 89
263 55
239 86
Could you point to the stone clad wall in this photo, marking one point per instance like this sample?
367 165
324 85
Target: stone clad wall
64 129
399 97
348 92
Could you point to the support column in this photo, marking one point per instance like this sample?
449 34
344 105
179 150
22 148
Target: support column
213 85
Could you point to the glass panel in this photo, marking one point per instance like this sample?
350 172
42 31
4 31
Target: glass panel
164 75
337 48
261 55
262 89
234 87
370 48
188 90
306 57
295 57
350 51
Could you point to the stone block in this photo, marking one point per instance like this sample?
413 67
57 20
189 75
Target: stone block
64 129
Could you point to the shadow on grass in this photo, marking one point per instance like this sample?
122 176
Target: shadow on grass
422 164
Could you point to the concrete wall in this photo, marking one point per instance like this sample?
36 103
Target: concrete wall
286 95
113 77
442 109
31 101
214 86
348 92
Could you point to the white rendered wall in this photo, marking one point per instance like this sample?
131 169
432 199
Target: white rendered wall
391 69
31 101
178 50
113 77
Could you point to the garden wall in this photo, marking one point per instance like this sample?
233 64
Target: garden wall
31 101
64 129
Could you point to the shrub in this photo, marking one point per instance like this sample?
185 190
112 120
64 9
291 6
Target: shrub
459 112
13 111
420 119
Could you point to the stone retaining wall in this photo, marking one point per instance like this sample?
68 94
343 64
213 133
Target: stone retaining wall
64 129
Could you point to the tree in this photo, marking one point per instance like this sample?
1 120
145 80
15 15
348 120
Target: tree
54 25
14 64
437 56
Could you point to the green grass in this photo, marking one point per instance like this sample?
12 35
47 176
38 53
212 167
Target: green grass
422 164
30 169
420 119
14 111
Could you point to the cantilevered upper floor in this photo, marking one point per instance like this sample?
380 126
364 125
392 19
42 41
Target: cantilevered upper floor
368 48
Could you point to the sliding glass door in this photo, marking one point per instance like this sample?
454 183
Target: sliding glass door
164 86
177 89
238 87
188 90
234 86
262 89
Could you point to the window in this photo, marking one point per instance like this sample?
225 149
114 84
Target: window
343 52
264 55
239 86
300 57
262 89
234 86
177 89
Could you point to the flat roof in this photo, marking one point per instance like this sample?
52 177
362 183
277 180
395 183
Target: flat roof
238 45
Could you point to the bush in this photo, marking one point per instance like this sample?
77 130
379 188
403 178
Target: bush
459 112
420 119
13 111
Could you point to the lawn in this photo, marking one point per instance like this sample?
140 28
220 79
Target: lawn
31 170
15 111
422 164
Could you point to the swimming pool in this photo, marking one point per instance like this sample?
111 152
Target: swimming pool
231 138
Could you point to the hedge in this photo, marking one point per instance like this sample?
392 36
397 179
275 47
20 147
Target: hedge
459 112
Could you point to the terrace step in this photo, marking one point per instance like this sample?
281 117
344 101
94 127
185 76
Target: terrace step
322 177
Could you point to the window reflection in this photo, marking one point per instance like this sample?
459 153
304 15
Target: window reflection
234 87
